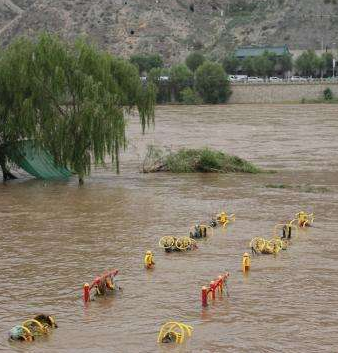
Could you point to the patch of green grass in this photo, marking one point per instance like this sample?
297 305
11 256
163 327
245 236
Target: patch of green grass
313 189
319 101
206 160
278 186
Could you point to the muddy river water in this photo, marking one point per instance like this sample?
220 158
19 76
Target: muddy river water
56 236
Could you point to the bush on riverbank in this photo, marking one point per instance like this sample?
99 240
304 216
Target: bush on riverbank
202 160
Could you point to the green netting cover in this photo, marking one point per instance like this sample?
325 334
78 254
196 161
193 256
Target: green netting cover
36 161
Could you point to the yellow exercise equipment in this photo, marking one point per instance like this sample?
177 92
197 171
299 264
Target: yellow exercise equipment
149 259
286 228
167 242
170 244
30 329
185 243
200 231
35 327
246 262
268 246
174 332
223 218
303 219
257 244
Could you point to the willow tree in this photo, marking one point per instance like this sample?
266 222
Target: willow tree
70 98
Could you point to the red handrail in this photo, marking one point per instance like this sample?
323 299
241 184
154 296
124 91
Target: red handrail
87 288
219 284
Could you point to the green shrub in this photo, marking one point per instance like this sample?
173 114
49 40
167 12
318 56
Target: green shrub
189 96
207 160
212 83
328 95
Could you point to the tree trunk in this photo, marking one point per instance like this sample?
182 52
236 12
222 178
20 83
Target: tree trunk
81 179
6 174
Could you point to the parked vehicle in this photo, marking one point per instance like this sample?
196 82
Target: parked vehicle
294 78
241 78
255 79
298 79
275 79
164 78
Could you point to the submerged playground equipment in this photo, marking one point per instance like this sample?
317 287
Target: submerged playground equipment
30 329
220 284
170 244
149 260
287 230
246 262
199 231
259 245
303 219
176 332
224 219
102 285
171 332
36 161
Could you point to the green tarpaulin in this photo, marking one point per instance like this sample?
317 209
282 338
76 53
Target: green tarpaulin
37 161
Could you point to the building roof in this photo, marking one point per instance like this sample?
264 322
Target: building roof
243 52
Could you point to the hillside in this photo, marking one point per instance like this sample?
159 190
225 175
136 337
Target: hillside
174 27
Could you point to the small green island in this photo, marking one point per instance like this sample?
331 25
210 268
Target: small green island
203 160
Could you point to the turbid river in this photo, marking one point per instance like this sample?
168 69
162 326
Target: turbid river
56 236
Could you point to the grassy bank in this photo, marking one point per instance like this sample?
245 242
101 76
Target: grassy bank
204 160
319 101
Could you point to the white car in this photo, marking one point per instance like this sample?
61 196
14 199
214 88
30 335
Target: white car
241 78
298 79
295 78
275 79
164 78
255 79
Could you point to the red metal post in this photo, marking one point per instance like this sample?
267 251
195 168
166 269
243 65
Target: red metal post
204 296
86 293
213 290
220 286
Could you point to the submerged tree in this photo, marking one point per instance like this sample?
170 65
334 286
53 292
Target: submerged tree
69 98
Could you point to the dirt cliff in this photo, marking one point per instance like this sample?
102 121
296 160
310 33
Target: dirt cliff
175 27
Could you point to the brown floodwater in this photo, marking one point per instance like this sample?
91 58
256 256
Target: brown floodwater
55 236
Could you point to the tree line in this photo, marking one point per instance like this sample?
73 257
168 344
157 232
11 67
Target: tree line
195 81
69 98
269 64
199 80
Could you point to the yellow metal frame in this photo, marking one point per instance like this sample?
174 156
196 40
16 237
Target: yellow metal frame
268 246
29 336
183 243
163 243
177 329
307 218
230 218
36 323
